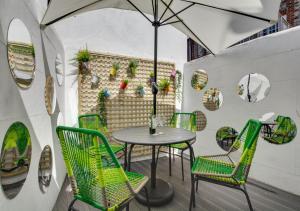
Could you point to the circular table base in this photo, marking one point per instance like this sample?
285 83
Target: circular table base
161 195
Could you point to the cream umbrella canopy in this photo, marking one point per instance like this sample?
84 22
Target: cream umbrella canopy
214 24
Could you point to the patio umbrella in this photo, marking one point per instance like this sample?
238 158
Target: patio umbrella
214 24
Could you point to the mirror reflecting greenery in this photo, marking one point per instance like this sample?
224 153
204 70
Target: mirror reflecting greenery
21 54
212 99
50 95
225 137
199 80
59 69
278 129
254 87
45 169
15 159
201 120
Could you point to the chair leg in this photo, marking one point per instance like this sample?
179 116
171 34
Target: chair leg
244 190
192 198
170 162
197 186
173 155
70 208
147 198
129 157
182 168
127 207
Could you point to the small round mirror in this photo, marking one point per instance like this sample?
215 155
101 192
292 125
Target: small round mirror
199 80
212 99
59 69
225 137
15 159
50 95
254 87
21 54
45 169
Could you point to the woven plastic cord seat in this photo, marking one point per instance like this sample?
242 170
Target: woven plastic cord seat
185 121
95 174
230 169
95 122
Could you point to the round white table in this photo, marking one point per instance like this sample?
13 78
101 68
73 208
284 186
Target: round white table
160 192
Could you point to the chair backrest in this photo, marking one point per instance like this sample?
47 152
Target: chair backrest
184 120
93 171
92 122
246 143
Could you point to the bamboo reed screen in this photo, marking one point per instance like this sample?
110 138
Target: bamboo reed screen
126 109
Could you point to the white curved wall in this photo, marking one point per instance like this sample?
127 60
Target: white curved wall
28 106
276 57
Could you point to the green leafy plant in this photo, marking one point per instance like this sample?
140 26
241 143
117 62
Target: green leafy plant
114 70
102 97
83 55
132 68
164 86
123 84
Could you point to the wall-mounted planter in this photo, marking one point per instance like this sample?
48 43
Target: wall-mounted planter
132 68
124 84
140 91
164 86
114 71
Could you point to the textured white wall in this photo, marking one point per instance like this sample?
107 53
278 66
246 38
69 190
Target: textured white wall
118 32
276 57
28 107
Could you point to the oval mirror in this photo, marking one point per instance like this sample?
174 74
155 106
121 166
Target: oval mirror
59 69
199 80
254 87
278 129
50 95
15 159
212 99
225 137
45 169
21 54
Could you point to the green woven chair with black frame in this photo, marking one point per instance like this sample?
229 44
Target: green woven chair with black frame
230 169
95 174
96 122
185 121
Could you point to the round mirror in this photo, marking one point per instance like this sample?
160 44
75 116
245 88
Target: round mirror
201 120
212 99
20 53
59 69
15 159
254 87
50 95
45 169
278 129
199 80
225 137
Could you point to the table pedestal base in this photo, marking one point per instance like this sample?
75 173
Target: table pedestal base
162 194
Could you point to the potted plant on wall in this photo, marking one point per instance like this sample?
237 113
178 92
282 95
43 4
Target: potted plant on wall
173 75
140 91
102 97
164 86
132 68
151 77
83 57
124 84
114 70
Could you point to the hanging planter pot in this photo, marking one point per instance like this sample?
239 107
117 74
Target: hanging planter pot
140 91
83 57
123 84
151 78
164 86
95 81
114 71
132 68
173 75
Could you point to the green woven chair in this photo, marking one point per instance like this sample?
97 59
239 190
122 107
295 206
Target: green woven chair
95 122
97 178
230 169
186 121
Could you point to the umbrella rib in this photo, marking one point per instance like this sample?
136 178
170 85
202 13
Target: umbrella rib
188 28
70 13
166 10
170 23
132 4
231 11
192 4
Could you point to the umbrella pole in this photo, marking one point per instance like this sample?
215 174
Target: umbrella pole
155 64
